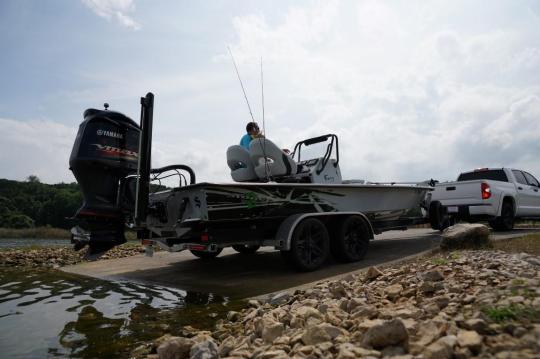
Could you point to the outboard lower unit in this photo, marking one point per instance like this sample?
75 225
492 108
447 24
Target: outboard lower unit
104 155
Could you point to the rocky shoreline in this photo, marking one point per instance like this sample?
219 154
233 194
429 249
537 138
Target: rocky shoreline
56 257
467 304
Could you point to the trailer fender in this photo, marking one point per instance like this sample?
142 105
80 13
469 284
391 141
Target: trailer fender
287 227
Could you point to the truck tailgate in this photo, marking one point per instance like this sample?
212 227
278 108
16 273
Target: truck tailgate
458 193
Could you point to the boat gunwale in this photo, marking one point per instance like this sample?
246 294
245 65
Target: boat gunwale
202 185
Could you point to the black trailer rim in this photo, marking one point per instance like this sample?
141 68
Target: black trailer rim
355 238
311 244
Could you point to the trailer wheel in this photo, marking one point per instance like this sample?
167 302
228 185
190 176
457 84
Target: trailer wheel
506 221
310 245
352 240
246 249
438 218
206 255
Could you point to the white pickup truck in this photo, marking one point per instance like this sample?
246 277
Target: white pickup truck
498 195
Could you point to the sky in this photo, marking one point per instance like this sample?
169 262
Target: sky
414 89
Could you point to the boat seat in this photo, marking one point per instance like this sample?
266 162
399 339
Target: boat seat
270 160
239 161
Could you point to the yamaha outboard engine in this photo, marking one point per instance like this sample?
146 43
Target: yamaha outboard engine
104 154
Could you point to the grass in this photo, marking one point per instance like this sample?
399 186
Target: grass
528 244
439 261
512 312
48 233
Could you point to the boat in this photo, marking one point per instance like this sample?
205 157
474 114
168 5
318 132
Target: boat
300 206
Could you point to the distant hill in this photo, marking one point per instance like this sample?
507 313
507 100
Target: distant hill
32 203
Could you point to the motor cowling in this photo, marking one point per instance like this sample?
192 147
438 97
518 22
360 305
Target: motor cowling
104 154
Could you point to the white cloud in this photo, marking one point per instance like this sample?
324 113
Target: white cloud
411 99
37 147
414 91
114 9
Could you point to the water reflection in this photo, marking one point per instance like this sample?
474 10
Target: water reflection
51 313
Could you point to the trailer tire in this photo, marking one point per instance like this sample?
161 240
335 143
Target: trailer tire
246 249
505 222
352 240
310 245
206 255
438 218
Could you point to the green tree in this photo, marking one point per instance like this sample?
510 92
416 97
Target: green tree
16 220
33 179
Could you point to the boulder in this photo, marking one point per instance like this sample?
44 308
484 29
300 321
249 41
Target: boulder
372 273
279 298
393 291
432 276
392 332
271 330
226 346
469 339
175 348
465 235
273 354
207 349
305 312
233 316
315 335
438 350
350 351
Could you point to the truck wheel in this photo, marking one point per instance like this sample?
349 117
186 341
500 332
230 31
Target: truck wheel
309 245
206 255
506 221
246 249
438 218
352 240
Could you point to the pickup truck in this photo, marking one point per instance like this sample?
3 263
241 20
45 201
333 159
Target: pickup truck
498 195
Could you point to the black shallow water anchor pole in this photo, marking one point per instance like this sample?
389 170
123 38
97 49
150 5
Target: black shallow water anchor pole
145 158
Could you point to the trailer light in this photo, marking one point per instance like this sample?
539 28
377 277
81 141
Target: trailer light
205 237
147 242
486 191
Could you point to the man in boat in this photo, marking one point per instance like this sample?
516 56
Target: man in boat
253 131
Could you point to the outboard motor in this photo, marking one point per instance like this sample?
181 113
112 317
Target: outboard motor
104 154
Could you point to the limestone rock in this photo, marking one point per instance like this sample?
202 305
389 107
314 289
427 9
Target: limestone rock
372 273
465 235
469 339
226 346
393 291
392 332
315 335
271 330
432 276
279 298
438 350
204 350
175 348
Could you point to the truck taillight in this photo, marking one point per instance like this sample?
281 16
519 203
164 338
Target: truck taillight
486 191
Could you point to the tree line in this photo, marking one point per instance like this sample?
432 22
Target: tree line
33 204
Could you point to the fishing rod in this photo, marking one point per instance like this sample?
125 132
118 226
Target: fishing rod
263 145
266 169
241 84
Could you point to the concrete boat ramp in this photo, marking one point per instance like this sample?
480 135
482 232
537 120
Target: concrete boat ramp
238 276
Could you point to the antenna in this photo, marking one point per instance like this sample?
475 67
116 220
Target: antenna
241 84
266 169
262 94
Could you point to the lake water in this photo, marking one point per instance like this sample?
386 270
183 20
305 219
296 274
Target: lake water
48 313
29 242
